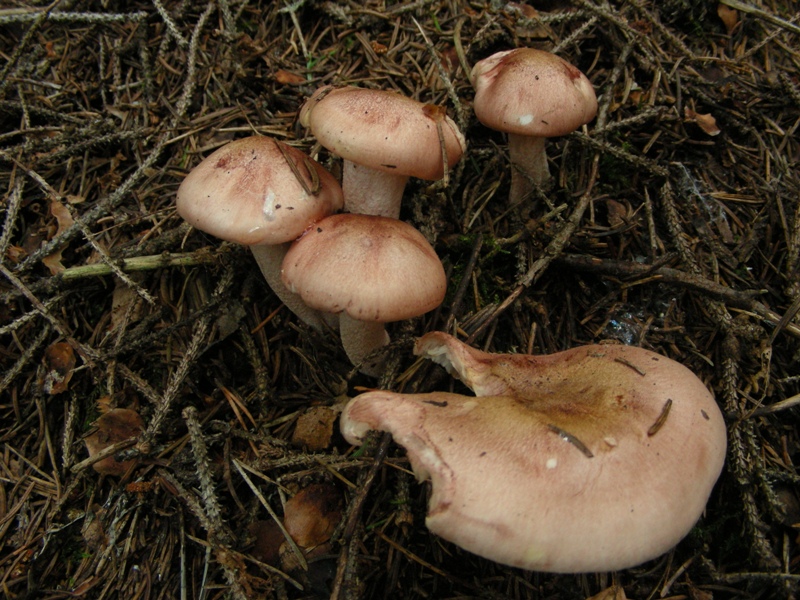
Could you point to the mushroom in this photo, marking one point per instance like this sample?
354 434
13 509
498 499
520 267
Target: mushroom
597 458
262 193
384 138
370 270
531 95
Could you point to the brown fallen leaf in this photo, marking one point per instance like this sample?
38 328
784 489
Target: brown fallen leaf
64 220
527 27
268 538
15 253
59 361
116 425
126 305
729 17
615 592
378 48
311 515
53 263
617 213
92 530
525 10
706 122
289 78
314 428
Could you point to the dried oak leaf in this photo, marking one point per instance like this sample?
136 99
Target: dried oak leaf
65 220
729 17
311 515
114 426
706 122
59 360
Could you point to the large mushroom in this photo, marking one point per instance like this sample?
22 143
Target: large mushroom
384 138
593 459
531 95
369 270
262 193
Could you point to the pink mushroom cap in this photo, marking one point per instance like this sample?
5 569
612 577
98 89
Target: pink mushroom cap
594 459
532 92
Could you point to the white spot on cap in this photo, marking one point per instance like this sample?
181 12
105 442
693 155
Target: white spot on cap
269 206
611 441
526 119
551 463
253 229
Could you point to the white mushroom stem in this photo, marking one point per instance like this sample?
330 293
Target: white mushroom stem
528 163
360 339
270 260
368 191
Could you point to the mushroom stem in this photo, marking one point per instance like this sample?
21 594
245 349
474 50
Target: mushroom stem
368 191
270 259
360 339
528 163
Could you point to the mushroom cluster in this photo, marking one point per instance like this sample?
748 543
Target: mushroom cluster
593 459
270 196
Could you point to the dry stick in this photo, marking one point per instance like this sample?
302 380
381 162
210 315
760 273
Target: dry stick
105 205
88 354
171 26
22 46
12 208
553 249
137 382
719 313
784 404
448 84
742 460
607 148
740 299
196 346
461 290
28 14
301 559
676 41
140 263
346 567
231 575
762 14
30 350
27 317
104 453
109 262
578 33
188 497
173 387
133 264
200 451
